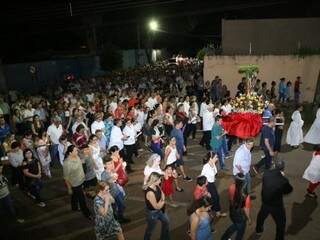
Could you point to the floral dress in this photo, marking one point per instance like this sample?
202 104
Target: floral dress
106 226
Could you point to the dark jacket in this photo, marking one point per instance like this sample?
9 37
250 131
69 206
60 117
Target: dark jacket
274 186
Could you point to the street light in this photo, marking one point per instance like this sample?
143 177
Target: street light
153 25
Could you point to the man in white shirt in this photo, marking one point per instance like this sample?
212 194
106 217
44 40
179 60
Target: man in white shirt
207 124
116 136
55 131
98 124
242 163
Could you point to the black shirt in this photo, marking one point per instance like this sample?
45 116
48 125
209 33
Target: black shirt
32 167
157 194
274 186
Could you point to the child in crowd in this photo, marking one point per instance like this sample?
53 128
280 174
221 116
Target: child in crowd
201 189
167 184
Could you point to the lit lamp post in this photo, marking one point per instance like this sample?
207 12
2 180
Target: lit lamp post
153 27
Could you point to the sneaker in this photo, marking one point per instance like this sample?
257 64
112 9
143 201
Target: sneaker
41 204
187 178
30 195
90 218
20 220
179 190
252 197
179 175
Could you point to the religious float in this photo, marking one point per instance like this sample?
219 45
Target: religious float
246 119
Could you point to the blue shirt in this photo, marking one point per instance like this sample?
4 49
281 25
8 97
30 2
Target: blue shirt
267 133
267 114
216 131
4 132
178 135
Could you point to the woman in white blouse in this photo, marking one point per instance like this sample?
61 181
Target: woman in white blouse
97 160
152 165
209 170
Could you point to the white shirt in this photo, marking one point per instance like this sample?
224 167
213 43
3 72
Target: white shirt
226 108
209 172
28 113
186 107
151 102
55 133
61 151
203 107
172 156
140 117
113 106
242 158
116 138
97 126
208 120
131 133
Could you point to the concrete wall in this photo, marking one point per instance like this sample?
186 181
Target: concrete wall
270 36
272 68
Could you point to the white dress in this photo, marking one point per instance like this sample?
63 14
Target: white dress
97 160
295 133
312 173
313 135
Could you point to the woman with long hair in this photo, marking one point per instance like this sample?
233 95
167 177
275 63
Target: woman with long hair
106 225
31 168
37 125
239 209
209 170
42 148
74 178
155 207
152 165
200 219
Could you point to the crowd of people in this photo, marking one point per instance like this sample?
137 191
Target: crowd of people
94 129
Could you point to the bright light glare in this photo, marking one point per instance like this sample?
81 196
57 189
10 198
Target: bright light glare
153 25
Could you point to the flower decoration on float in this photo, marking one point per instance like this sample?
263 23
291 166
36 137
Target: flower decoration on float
250 101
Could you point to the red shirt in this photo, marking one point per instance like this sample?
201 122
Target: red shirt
132 102
232 190
199 192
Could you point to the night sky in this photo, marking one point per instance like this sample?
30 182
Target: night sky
37 31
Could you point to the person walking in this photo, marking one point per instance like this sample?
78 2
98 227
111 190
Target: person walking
274 186
74 178
242 163
106 226
295 132
209 170
155 207
216 143
181 148
239 208
313 136
266 143
312 173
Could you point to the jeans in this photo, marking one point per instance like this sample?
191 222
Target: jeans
282 97
266 161
279 216
119 200
78 198
214 196
225 145
219 152
239 227
152 217
247 183
34 187
7 205
55 154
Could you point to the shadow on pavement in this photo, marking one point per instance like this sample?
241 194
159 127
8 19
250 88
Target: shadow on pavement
301 215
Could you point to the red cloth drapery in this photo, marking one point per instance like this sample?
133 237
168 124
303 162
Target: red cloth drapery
242 125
